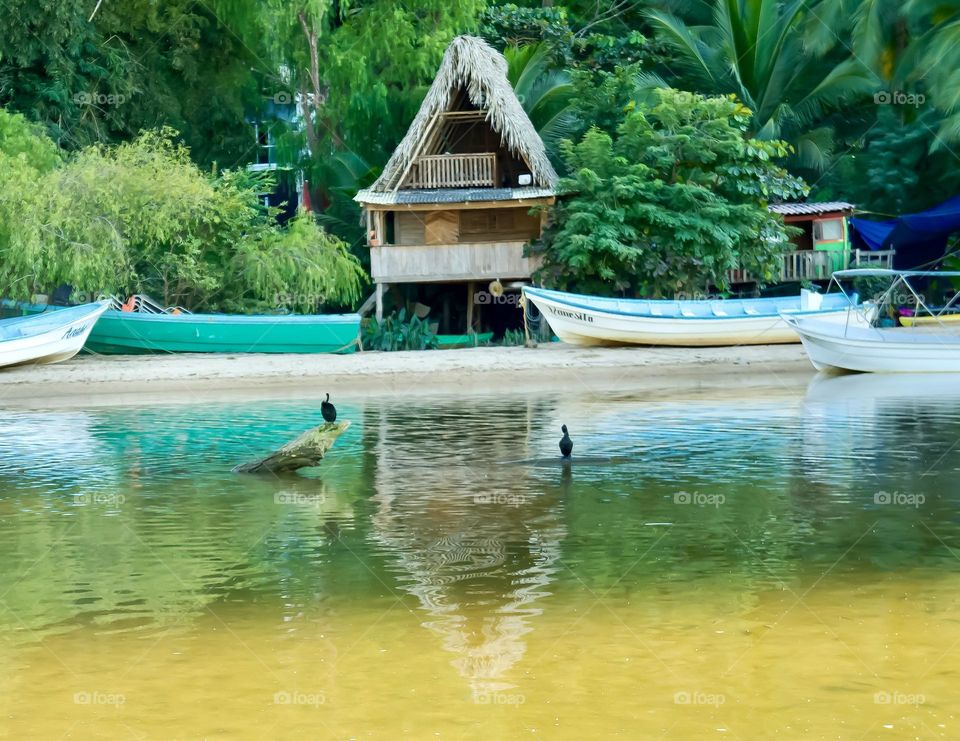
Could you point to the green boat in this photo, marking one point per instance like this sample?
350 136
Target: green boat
128 332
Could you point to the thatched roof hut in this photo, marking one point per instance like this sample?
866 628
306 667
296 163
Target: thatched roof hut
474 67
457 202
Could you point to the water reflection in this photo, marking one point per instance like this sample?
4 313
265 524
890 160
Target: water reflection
476 543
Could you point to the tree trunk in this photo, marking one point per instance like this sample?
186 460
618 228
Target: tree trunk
304 452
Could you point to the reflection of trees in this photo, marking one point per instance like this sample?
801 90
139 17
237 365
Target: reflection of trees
477 544
128 519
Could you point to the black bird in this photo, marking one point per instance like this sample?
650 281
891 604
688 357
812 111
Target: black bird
328 410
566 444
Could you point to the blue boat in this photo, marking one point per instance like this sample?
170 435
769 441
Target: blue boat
594 320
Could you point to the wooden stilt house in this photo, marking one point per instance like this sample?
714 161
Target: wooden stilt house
452 205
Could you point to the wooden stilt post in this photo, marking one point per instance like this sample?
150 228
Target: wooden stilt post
471 289
379 314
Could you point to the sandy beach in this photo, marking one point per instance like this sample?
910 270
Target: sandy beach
122 379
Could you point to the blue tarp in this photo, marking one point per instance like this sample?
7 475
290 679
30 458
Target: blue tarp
918 238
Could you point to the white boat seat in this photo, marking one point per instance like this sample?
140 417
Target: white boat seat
687 312
750 310
719 312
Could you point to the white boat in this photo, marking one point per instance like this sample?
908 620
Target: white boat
592 320
50 337
927 347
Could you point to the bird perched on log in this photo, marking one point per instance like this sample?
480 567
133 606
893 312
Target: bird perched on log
566 444
328 410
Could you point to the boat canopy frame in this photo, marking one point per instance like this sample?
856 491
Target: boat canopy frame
900 278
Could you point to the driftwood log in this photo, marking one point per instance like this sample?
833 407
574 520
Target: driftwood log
307 450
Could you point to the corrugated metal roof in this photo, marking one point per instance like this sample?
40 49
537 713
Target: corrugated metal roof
449 195
810 209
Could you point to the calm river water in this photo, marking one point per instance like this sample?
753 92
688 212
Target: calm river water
733 566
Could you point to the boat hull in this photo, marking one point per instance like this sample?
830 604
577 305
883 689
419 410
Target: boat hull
51 337
578 323
877 350
120 332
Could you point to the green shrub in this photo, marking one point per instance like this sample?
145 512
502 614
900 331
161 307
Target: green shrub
394 332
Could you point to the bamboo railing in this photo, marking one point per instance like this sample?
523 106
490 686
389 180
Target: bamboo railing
455 171
800 265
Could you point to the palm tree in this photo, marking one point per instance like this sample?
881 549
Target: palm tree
545 92
782 59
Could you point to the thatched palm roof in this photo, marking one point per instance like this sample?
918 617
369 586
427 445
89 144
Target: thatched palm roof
477 68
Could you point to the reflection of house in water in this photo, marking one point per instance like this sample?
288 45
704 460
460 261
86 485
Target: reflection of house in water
476 545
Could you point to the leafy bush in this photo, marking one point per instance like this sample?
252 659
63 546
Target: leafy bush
674 202
513 337
394 332
141 217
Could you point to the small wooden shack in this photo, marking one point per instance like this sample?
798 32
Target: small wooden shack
453 204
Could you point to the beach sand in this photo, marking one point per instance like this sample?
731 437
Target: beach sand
135 378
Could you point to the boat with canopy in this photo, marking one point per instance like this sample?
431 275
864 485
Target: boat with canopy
925 341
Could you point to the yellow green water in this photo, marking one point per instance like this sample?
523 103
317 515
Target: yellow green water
738 568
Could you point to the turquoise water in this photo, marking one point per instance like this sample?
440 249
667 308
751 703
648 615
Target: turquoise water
715 564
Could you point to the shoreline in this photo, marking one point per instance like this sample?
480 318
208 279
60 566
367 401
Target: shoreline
98 379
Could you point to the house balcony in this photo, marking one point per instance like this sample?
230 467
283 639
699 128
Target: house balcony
454 171
437 263
801 265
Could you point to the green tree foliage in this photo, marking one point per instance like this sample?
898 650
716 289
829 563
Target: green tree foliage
671 204
133 66
782 59
545 92
894 171
142 217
